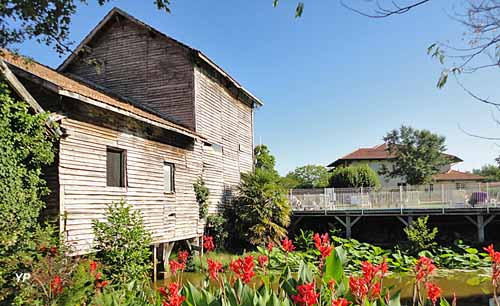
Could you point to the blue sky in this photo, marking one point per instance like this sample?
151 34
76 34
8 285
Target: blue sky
332 81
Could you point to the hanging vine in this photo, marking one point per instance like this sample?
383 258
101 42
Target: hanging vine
202 193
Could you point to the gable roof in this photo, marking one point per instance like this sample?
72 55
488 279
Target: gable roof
243 94
378 152
65 86
454 175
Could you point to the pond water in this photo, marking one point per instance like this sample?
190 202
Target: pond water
472 288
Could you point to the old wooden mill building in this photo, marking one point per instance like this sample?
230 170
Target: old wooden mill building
142 125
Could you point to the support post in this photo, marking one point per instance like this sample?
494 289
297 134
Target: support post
480 224
155 263
348 224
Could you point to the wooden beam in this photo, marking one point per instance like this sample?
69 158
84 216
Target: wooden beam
22 92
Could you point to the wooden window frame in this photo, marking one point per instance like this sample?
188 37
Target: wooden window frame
123 166
172 177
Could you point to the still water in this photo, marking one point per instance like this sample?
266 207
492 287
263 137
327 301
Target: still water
472 288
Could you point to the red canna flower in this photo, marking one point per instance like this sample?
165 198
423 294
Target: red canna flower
53 250
359 288
331 284
383 268
56 286
101 284
376 290
424 268
307 295
322 243
214 267
340 302
208 243
369 271
93 267
243 268
270 246
287 245
182 256
173 297
98 276
263 260
433 292
176 266
495 264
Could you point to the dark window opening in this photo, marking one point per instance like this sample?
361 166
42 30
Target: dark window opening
169 177
115 167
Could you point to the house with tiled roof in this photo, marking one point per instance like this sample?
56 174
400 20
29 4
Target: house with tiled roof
379 156
143 125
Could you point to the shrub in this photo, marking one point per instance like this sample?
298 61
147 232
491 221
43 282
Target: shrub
261 211
216 227
354 176
25 148
421 237
202 193
123 244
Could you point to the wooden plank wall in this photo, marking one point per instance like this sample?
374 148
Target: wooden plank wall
154 71
224 121
84 194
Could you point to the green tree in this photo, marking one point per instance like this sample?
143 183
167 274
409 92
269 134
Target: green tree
25 148
47 22
354 176
123 244
419 155
309 176
491 172
261 210
263 158
420 235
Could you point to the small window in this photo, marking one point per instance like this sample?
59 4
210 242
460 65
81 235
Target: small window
460 186
213 147
115 167
169 177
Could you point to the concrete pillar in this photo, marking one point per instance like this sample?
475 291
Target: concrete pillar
480 228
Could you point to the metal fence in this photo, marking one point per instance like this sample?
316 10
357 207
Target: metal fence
456 195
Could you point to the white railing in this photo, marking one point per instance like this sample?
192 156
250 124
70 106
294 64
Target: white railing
459 195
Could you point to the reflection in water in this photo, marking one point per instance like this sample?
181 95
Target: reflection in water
472 288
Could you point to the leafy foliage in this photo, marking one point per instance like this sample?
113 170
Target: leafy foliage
264 160
420 235
123 243
202 193
47 22
216 227
419 155
354 176
490 172
308 176
262 210
25 148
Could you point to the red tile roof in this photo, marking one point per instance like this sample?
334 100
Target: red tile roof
378 152
454 175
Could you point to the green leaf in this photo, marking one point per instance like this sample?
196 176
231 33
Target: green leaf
299 10
275 3
429 49
334 266
443 302
395 299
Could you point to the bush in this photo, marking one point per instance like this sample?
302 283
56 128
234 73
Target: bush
25 148
261 211
421 237
216 227
123 244
354 177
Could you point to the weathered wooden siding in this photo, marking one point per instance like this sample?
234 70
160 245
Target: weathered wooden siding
227 122
139 65
84 194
